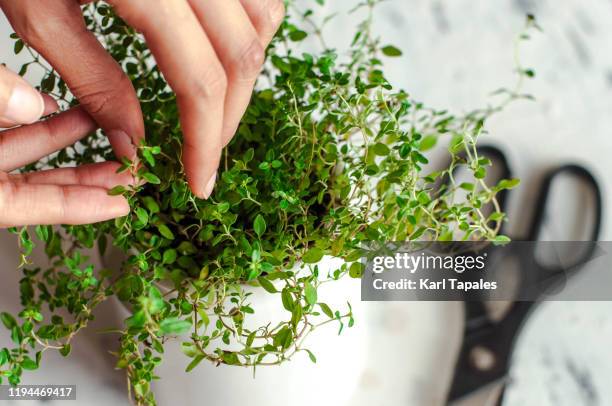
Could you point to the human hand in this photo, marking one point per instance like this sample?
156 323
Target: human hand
68 195
210 51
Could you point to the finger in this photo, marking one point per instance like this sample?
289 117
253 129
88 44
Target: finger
266 16
190 64
241 53
20 103
28 204
51 105
103 174
56 29
23 145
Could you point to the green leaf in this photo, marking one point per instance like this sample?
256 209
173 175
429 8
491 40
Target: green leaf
151 178
267 285
169 256
467 186
356 270
254 272
37 316
48 84
116 191
298 35
42 232
148 156
142 215
423 198
187 248
311 356
156 300
283 338
189 349
507 184
428 143
18 46
223 207
296 315
248 156
310 292
391 51
501 240
327 310
497 216
480 173
8 320
65 350
23 70
4 356
174 326
259 225
287 299
137 320
151 204
313 256
381 149
194 363
165 232
16 335
29 364
530 73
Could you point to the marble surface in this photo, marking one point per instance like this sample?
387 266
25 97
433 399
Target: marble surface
455 53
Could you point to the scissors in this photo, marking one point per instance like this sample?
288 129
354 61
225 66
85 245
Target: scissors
483 363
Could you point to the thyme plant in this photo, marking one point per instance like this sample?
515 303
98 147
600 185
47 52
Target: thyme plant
328 155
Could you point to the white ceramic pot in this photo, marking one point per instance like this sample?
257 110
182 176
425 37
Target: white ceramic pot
397 354
339 359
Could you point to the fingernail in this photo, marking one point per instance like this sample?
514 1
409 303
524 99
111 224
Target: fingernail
121 207
25 105
51 105
210 186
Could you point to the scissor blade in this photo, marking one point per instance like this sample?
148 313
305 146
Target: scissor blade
486 396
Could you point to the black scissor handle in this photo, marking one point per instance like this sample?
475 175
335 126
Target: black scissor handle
539 215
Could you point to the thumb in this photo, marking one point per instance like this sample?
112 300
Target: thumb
20 103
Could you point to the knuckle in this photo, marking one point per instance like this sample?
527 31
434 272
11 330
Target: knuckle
46 130
36 25
4 153
5 89
28 30
64 197
98 94
7 191
249 61
96 101
212 83
82 176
